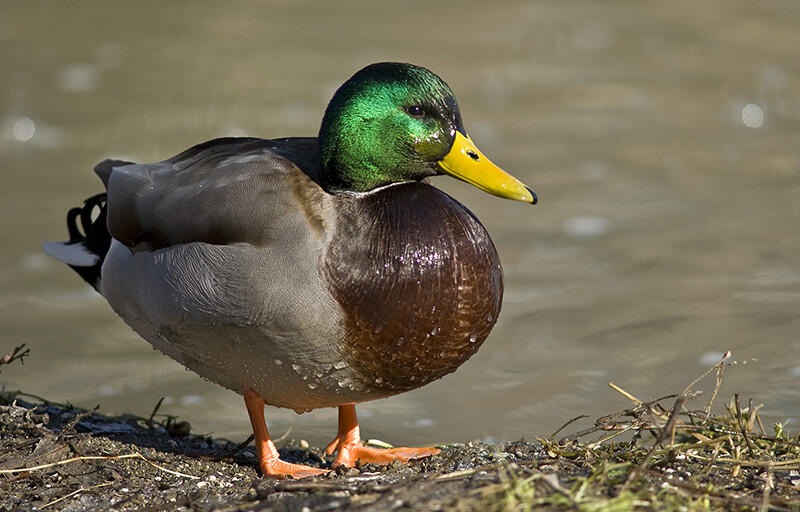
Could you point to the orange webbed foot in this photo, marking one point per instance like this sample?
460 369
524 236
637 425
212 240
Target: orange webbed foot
268 458
352 452
277 468
348 443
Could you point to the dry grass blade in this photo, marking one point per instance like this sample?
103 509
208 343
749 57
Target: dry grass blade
719 369
714 368
625 393
667 431
692 460
75 492
565 425
97 457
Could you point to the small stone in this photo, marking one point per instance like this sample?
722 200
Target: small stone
180 429
352 472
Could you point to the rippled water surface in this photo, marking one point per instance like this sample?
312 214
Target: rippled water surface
663 139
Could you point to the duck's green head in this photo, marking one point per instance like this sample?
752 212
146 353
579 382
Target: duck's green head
394 122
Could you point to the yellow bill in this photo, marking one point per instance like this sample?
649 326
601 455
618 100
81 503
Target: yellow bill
466 162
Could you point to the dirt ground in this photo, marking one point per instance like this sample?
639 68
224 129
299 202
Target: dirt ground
656 455
101 463
57 458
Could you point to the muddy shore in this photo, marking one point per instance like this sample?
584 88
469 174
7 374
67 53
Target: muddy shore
98 462
54 457
670 453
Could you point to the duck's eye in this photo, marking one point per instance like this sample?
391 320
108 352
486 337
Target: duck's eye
415 111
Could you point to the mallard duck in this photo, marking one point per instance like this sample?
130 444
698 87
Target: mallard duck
307 272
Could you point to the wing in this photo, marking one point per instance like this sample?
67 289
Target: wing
221 192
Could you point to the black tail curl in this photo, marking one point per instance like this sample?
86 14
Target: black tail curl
92 234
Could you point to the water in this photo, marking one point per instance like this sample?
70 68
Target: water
661 137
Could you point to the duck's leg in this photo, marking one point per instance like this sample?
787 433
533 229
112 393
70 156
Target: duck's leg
348 442
268 456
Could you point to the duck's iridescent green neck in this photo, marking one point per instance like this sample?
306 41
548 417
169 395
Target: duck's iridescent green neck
389 123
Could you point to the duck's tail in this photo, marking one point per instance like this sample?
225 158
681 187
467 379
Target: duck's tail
88 244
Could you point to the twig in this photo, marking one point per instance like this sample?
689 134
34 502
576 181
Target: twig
673 421
595 444
565 425
713 461
97 457
77 491
722 430
752 414
15 354
742 426
782 464
250 438
284 436
22 444
694 446
241 445
625 393
669 429
761 425
155 410
719 368
462 473
721 362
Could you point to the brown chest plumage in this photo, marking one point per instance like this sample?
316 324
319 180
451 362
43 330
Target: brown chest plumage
419 281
